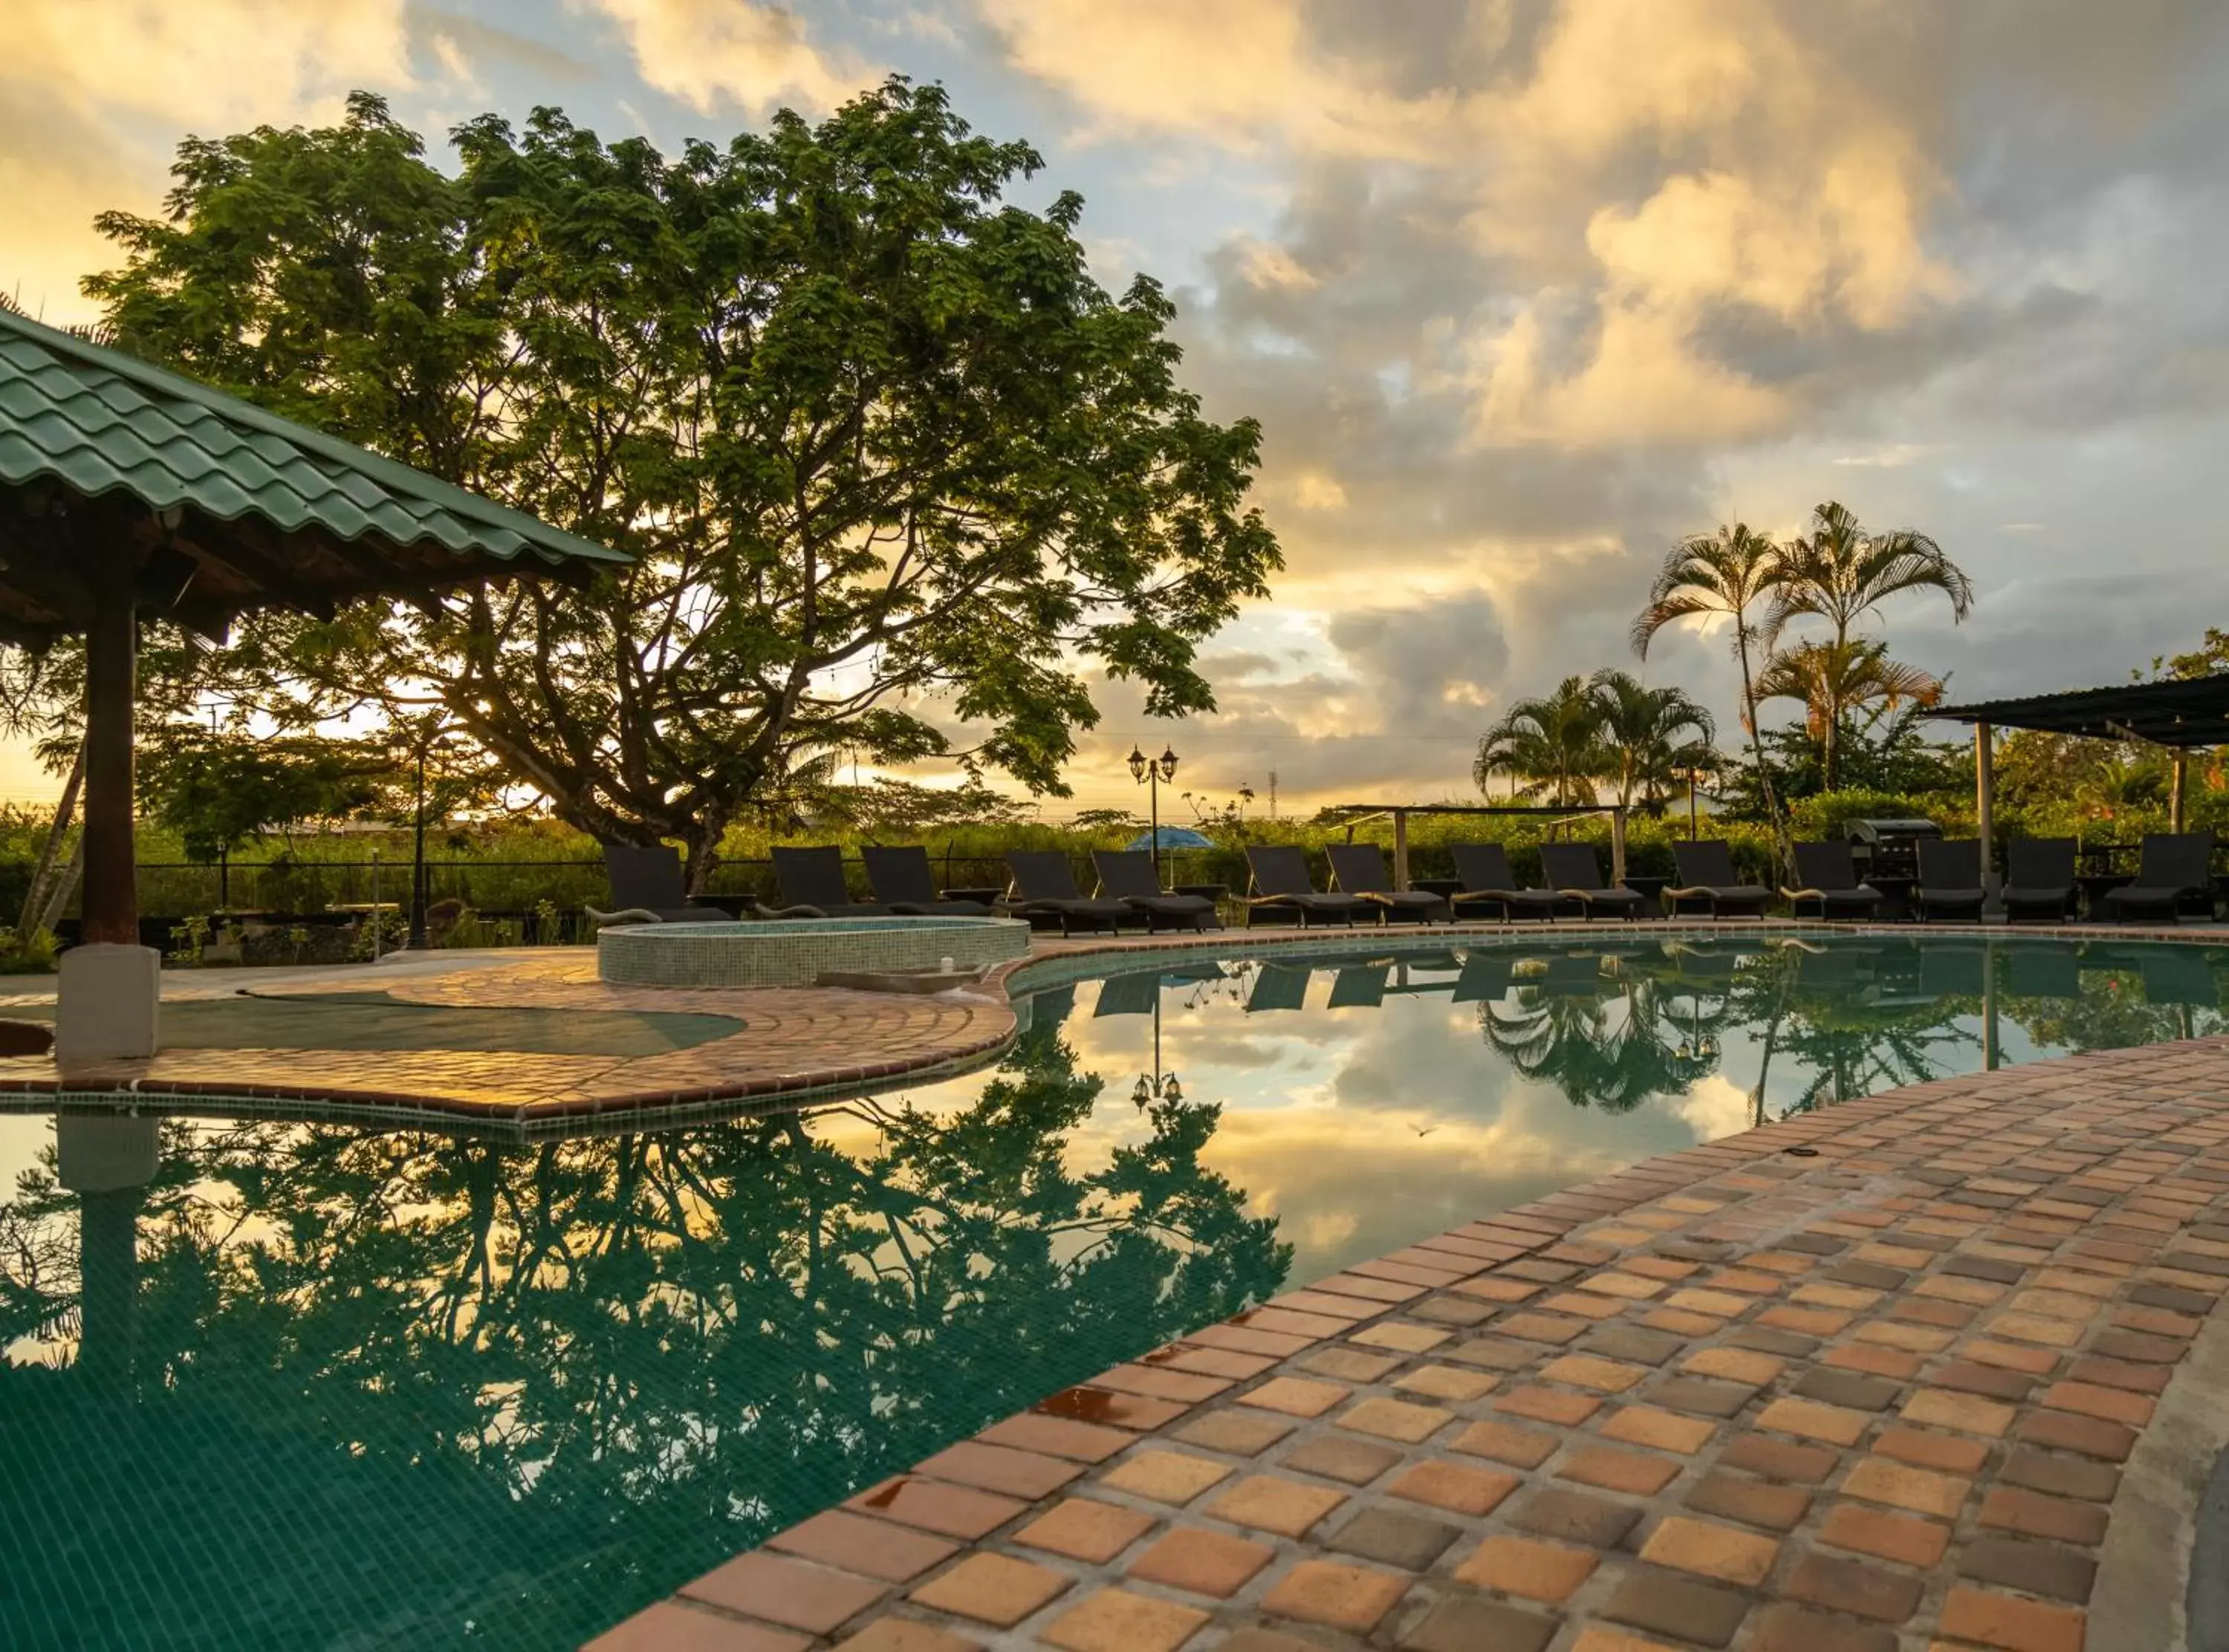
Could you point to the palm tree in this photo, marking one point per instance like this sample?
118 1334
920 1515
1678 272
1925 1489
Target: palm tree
1833 679
1652 734
1730 573
1553 744
1838 573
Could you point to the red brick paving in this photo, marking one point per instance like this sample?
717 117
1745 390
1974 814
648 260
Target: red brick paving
1881 1402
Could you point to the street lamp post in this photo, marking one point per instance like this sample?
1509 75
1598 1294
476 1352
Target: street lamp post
1148 1091
1150 771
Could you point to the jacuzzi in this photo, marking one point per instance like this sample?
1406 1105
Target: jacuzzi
798 952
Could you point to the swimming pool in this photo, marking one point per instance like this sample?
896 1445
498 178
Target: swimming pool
285 1384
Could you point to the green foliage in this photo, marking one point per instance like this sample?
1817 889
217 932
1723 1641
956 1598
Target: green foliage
31 954
220 791
1553 744
874 436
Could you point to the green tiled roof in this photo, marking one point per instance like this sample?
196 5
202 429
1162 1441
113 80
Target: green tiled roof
102 422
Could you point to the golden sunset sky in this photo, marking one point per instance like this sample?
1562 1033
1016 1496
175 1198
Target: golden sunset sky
1522 290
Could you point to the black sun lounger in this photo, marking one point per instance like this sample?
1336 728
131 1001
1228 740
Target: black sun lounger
1045 887
1281 887
1708 875
1829 883
811 884
1127 875
1487 881
1572 870
2039 879
1360 869
902 881
647 887
1950 878
1279 986
2173 869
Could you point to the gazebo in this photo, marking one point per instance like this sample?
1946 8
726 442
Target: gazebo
127 492
2182 713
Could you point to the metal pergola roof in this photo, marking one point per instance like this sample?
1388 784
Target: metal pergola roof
2181 712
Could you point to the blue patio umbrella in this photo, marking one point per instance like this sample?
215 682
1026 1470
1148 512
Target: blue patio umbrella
1172 837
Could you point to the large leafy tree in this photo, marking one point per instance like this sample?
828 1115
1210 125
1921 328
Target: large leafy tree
895 469
1732 574
1552 743
1839 573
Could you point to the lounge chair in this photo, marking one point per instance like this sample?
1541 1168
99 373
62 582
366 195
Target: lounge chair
1280 872
1487 977
1127 875
1487 881
1360 869
2049 971
1128 994
1571 871
1358 986
2039 879
1950 970
2180 974
1045 887
647 887
1571 975
811 884
1279 986
1708 875
1949 879
1828 880
902 881
2173 868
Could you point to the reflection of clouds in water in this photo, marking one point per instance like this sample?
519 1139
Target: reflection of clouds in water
1714 1107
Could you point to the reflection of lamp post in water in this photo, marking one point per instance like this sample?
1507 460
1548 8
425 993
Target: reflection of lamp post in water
1147 1090
107 1160
1150 771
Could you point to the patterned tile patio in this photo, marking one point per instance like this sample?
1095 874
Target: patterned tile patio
1861 1380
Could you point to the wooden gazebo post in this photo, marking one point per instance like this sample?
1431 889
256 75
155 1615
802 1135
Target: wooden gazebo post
109 984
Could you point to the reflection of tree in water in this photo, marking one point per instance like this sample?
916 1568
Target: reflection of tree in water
1609 1045
2113 1012
1858 1020
394 1384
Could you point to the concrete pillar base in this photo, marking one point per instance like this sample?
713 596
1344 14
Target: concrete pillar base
106 1004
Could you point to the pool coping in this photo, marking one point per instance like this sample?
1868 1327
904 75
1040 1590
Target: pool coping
1884 1376
833 1072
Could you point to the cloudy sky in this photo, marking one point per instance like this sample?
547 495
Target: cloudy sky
1521 289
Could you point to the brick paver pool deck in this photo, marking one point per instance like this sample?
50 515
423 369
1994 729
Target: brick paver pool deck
1864 1380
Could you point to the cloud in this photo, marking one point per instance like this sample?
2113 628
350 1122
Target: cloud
1547 287
743 53
94 94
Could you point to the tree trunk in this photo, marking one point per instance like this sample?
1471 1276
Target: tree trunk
1764 774
64 886
39 896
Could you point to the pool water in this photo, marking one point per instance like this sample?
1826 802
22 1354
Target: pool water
314 1385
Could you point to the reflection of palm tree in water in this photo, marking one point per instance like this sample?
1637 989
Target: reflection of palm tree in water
1828 1019
540 1385
1611 1046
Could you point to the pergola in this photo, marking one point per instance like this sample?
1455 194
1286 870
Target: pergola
2181 712
1352 814
126 493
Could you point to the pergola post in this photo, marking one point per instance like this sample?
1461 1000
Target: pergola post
1985 786
109 985
1617 846
1401 848
2181 785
